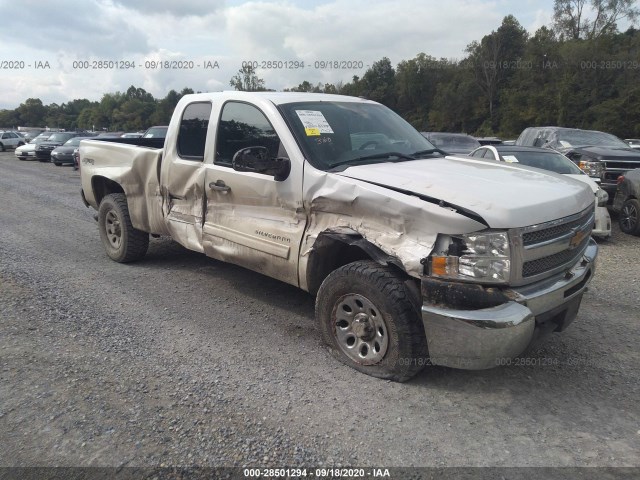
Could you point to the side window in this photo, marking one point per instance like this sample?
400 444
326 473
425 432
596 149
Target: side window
241 126
479 153
5 135
193 131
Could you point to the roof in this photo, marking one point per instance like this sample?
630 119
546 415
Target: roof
518 148
277 98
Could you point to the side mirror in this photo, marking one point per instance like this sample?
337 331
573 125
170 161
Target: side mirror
256 159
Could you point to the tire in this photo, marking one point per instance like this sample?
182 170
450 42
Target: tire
629 219
2 149
57 164
368 320
122 242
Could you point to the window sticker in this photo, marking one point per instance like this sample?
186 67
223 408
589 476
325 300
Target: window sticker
510 159
314 122
565 144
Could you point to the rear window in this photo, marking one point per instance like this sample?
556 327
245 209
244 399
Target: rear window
192 136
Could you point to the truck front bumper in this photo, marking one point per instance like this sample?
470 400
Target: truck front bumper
482 338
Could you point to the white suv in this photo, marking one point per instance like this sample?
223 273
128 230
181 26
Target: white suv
10 140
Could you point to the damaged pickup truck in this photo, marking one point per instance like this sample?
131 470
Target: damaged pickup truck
414 258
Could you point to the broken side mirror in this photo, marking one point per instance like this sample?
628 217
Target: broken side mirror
256 159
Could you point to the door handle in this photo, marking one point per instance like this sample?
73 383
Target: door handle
219 186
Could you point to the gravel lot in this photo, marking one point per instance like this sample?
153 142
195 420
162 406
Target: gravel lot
180 360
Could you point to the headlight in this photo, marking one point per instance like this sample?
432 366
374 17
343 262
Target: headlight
475 257
602 197
593 168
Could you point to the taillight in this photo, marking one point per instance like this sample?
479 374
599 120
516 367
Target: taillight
620 179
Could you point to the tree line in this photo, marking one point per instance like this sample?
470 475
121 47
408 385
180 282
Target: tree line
579 72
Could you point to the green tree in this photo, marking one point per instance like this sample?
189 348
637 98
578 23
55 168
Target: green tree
247 80
32 113
571 18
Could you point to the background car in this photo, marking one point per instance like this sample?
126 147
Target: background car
452 142
489 140
552 161
44 149
64 153
627 202
29 150
599 154
159 131
131 135
10 140
633 142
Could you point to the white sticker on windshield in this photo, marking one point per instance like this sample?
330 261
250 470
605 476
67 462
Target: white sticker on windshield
564 143
314 122
510 159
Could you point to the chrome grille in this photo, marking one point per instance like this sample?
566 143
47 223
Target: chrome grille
541 265
538 236
543 250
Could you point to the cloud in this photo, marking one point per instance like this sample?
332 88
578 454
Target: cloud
84 28
179 9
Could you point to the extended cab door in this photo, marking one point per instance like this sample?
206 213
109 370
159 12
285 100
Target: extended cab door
182 175
251 219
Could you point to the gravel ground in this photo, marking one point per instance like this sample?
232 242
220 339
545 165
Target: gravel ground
180 360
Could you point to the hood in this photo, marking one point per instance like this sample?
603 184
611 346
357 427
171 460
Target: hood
505 196
64 149
584 179
610 153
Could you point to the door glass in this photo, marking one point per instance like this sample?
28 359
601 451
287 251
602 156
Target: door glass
242 126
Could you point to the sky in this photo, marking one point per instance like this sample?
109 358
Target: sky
67 49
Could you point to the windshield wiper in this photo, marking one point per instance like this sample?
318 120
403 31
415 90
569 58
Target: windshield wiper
377 156
429 152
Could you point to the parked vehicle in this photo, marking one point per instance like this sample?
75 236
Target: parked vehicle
64 153
131 135
553 161
627 202
44 149
10 140
598 154
452 142
413 257
633 142
156 132
29 150
489 140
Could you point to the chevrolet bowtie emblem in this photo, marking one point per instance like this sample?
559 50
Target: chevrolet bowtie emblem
577 239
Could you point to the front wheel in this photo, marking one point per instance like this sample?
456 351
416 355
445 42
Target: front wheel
367 318
122 242
629 219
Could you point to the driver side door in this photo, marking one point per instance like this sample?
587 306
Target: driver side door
251 219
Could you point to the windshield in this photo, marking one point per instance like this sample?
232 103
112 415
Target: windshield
551 161
59 137
583 138
74 142
156 132
335 134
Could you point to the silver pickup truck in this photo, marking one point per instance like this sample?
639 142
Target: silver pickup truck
414 258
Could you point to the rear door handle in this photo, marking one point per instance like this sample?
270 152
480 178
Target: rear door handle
219 186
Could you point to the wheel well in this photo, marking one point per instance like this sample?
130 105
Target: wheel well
103 186
333 250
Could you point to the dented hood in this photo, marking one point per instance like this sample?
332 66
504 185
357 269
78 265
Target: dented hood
505 196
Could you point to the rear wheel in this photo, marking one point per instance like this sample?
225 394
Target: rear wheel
57 164
367 318
2 149
629 219
122 242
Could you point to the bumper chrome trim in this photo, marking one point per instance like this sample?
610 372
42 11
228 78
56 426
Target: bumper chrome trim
480 339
